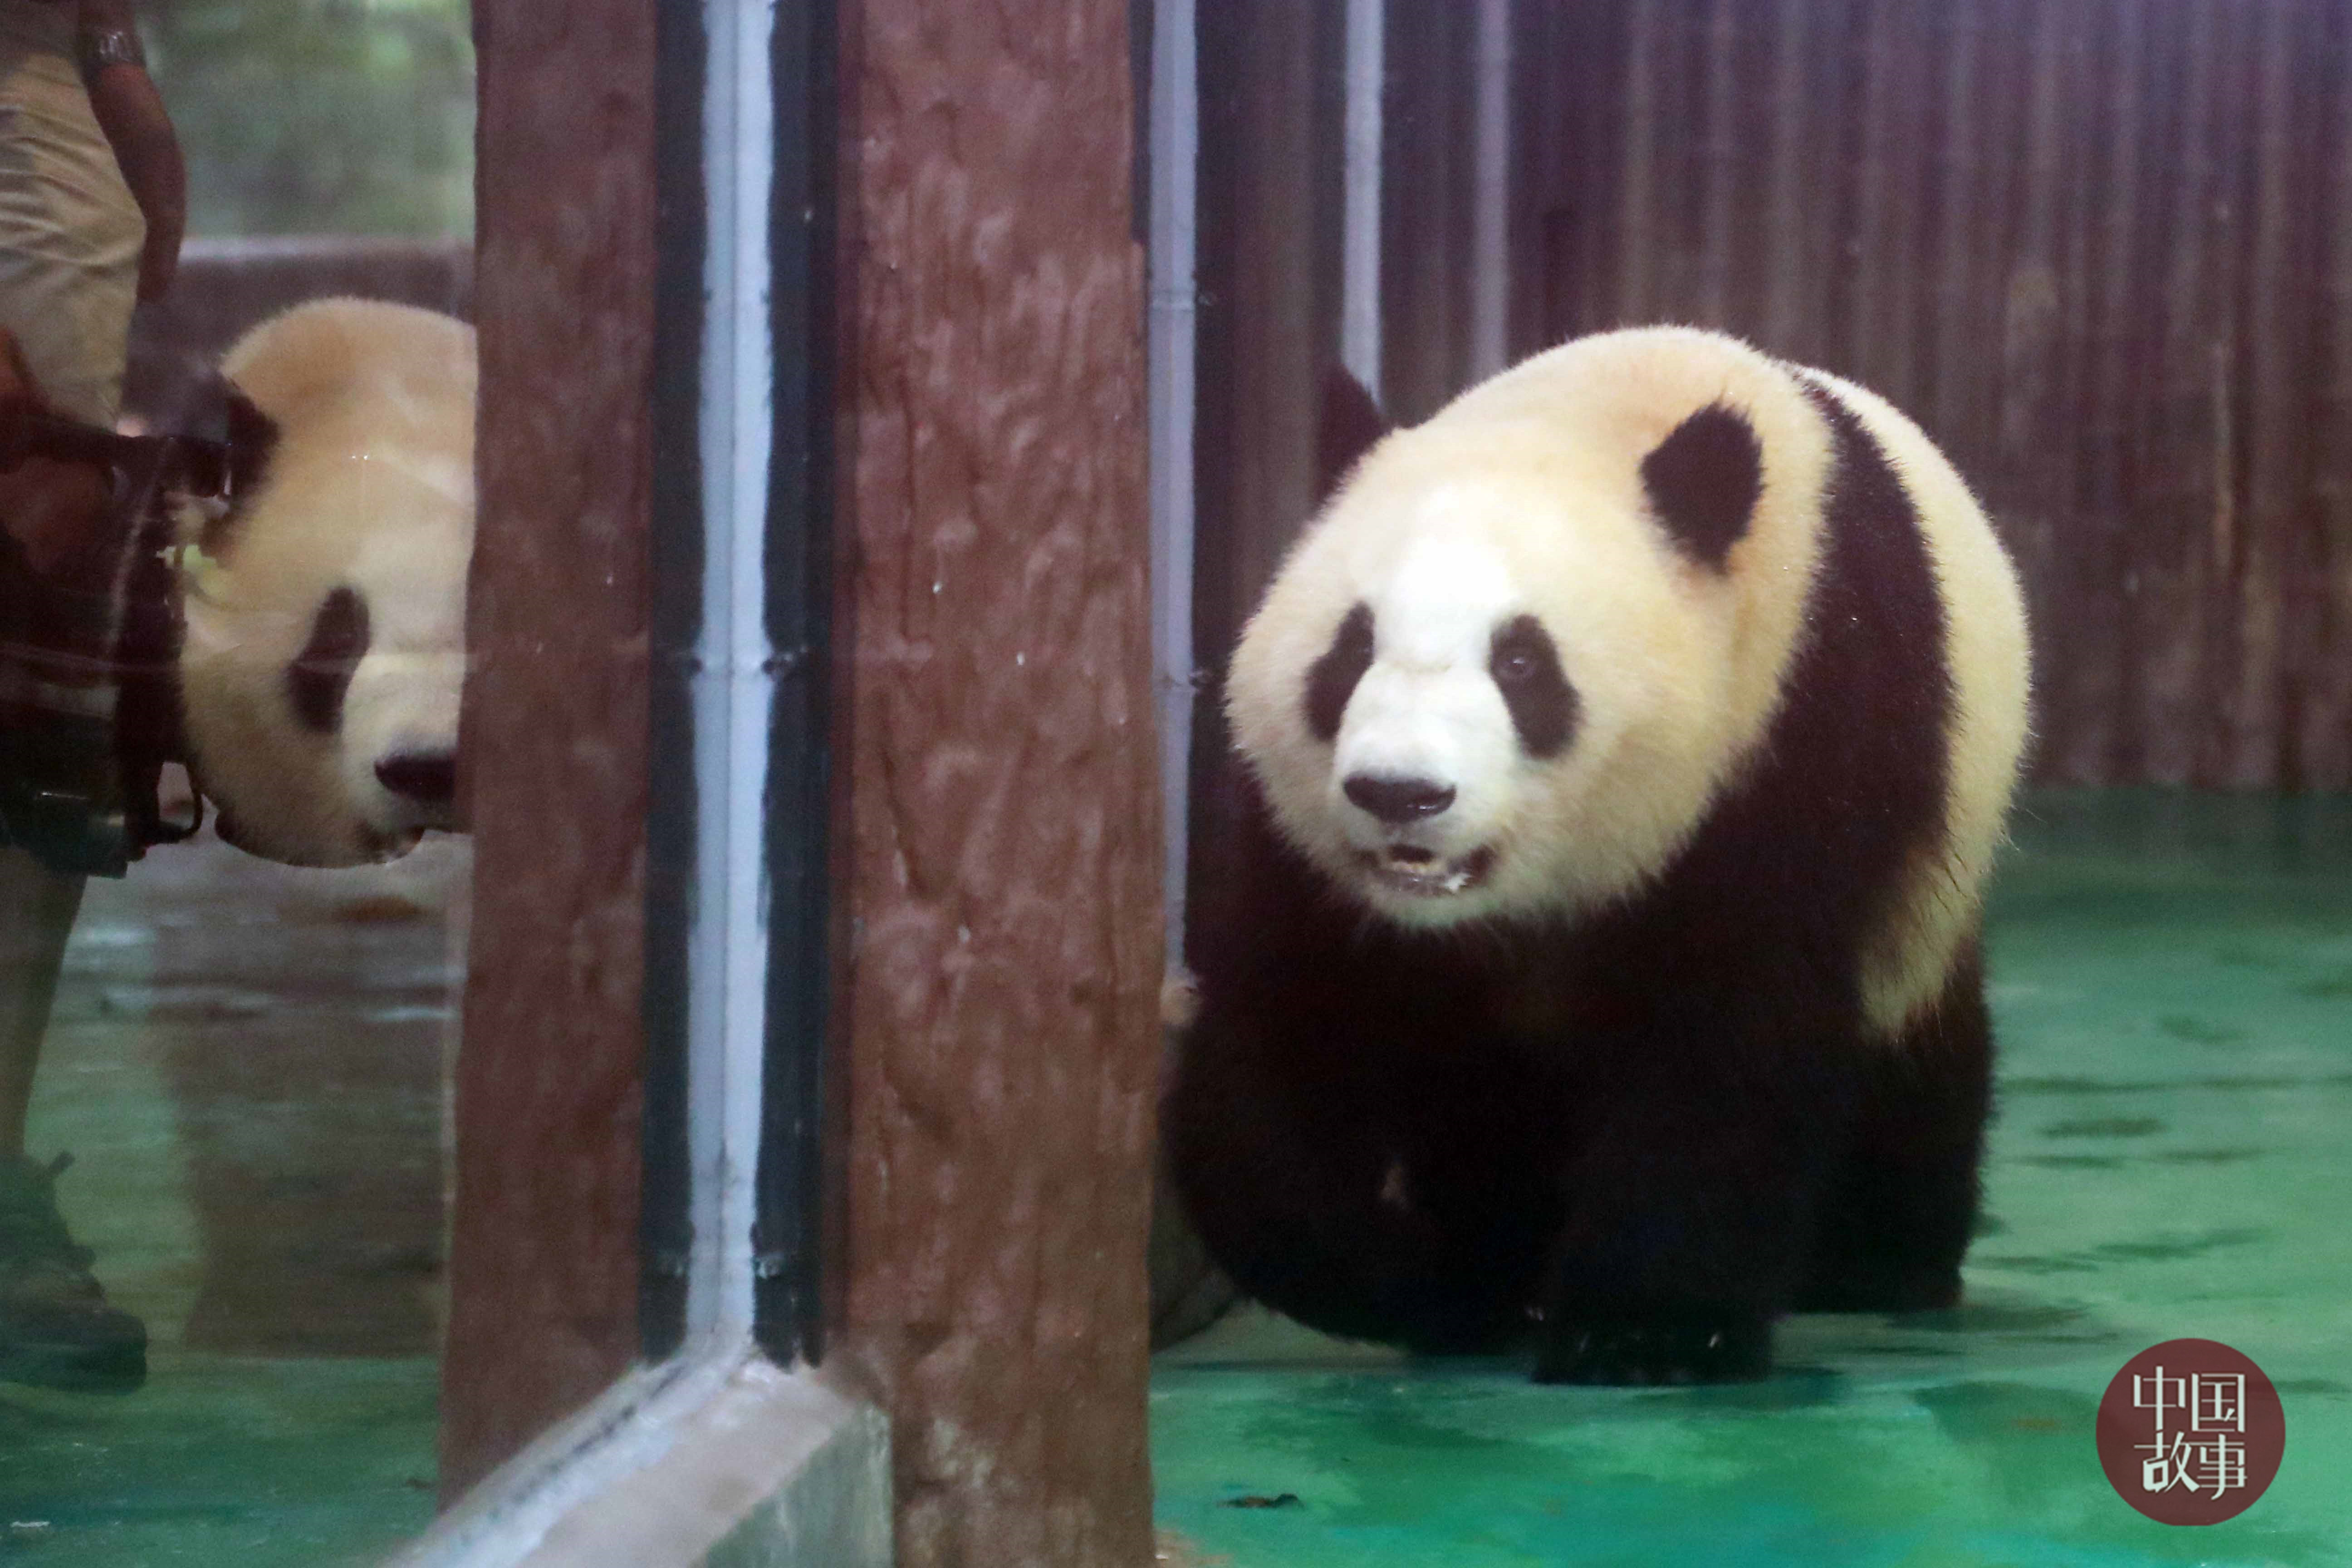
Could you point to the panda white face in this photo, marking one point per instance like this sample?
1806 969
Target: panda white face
1506 672
1437 690
1454 746
325 649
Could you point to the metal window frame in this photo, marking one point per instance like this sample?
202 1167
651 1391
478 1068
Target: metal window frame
738 907
738 903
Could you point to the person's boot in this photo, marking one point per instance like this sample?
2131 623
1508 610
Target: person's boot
56 1330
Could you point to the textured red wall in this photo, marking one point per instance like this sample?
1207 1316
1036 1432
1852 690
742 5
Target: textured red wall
543 1257
1004 857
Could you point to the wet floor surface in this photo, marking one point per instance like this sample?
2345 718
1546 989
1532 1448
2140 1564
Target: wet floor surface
246 1063
2172 982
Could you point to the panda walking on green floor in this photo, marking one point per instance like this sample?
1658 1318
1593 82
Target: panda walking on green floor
1594 958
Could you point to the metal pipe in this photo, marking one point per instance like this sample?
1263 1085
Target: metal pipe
1490 239
1360 245
1175 156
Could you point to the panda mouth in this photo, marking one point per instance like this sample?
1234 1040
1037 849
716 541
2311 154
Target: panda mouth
1416 872
383 848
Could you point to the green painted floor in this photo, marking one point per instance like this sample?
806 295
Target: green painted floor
2172 980
246 1063
235 1461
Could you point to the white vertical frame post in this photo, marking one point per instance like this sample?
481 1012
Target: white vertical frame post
1172 342
1490 234
1359 242
733 684
715 1453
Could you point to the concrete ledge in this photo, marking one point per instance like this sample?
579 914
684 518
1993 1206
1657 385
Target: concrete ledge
730 1462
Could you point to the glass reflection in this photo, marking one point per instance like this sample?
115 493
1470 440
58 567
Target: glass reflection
234 531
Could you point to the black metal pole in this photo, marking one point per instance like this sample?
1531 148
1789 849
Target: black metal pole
787 1235
666 1228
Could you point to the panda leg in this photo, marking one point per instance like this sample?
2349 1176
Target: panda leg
1900 1216
1688 1230
1309 1194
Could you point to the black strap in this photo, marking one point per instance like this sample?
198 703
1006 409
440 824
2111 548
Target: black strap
192 465
91 714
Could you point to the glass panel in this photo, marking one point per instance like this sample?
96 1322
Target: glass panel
220 1319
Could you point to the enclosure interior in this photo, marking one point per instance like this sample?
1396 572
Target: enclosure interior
2102 253
2101 249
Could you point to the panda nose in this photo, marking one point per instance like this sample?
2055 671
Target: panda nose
1397 801
427 778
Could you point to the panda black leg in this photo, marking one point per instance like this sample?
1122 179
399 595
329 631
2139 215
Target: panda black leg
1901 1214
1319 1196
1689 1231
1722 1351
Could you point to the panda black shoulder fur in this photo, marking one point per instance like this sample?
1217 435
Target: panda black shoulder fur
1595 954
325 647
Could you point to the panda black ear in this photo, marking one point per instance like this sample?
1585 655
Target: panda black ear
1704 481
252 438
1351 423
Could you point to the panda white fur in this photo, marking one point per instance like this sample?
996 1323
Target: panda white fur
1593 953
325 646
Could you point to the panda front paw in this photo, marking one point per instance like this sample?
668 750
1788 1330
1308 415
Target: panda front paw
1655 1353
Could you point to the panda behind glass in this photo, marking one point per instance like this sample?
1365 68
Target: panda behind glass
325 644
1593 955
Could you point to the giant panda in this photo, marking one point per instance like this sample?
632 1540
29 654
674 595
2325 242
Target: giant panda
324 650
1593 955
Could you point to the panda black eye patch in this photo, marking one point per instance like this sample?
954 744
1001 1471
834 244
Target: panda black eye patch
1332 679
1525 664
321 672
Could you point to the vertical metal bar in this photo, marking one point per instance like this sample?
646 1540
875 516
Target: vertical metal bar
788 1229
1490 243
1175 157
732 683
1360 245
666 1228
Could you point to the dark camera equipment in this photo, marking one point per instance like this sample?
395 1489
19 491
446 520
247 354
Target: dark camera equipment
89 703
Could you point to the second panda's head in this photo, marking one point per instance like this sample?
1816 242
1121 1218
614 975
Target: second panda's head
1506 671
325 646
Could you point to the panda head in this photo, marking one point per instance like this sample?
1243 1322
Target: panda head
1507 669
325 644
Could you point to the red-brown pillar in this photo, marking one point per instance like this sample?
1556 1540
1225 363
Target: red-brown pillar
543 1258
1004 852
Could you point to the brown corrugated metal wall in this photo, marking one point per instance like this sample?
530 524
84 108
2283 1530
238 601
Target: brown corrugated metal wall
2100 249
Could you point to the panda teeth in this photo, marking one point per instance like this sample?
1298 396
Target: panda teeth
1405 875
